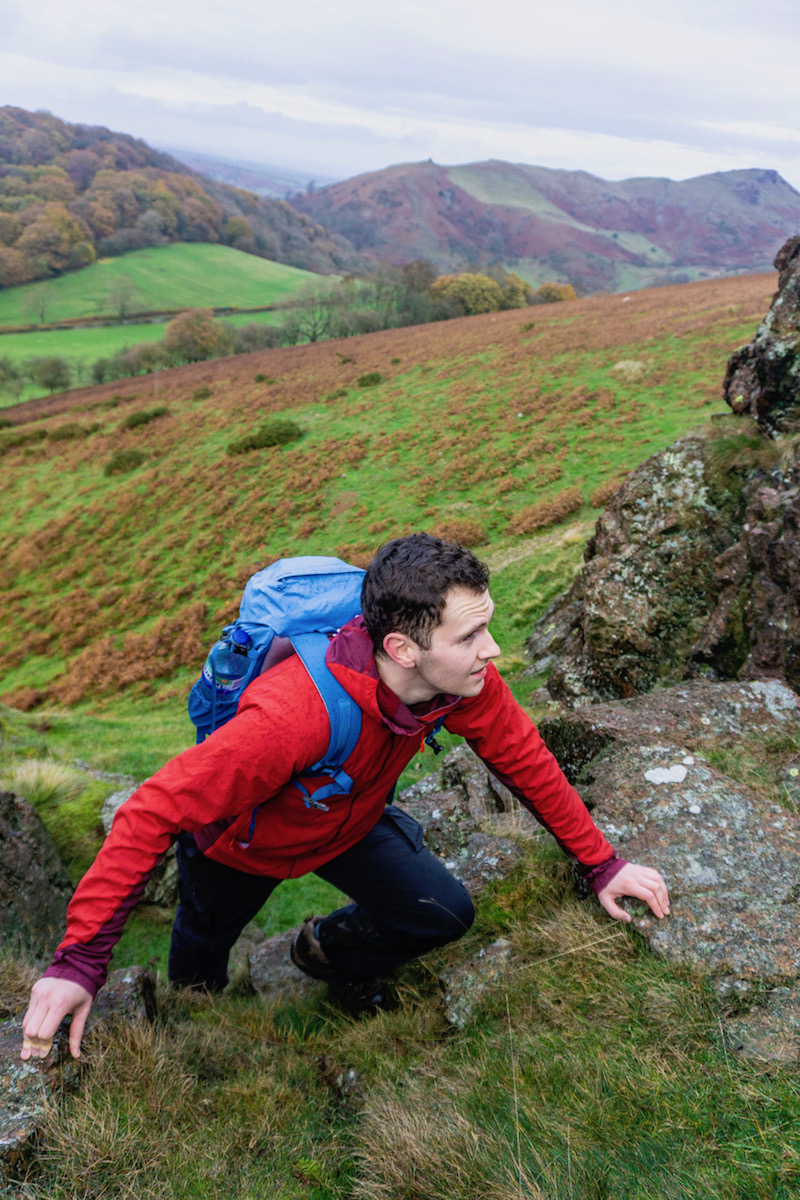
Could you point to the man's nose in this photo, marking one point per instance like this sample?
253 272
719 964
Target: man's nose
489 647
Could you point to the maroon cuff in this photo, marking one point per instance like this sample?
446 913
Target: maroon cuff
64 971
602 873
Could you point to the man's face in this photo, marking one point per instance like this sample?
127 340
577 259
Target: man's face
461 646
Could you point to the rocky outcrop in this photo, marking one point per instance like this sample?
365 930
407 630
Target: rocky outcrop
730 852
694 567
763 378
693 570
34 886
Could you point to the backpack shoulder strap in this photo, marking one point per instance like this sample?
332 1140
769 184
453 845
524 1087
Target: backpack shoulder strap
343 712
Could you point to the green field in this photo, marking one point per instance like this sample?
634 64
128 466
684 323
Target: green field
594 1071
83 346
167 279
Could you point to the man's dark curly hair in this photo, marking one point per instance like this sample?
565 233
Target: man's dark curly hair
407 583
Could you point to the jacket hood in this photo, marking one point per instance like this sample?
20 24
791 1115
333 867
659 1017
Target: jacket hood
352 661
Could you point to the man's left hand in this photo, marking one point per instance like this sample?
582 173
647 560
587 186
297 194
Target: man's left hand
643 883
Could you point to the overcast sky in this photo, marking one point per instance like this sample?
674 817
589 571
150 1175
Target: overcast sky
619 87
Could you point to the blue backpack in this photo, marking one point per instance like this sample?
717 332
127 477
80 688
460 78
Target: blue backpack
290 607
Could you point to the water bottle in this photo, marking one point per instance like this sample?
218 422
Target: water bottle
227 664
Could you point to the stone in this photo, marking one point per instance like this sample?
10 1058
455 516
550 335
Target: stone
694 713
34 885
693 570
763 377
26 1088
648 586
272 972
464 986
770 1032
467 816
730 857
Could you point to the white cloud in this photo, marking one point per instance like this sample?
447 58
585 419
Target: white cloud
629 87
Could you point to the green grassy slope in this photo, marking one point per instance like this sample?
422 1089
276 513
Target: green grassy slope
487 427
168 278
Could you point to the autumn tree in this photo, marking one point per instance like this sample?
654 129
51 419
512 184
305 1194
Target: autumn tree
194 335
550 292
471 292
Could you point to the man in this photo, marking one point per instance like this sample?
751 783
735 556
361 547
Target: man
420 652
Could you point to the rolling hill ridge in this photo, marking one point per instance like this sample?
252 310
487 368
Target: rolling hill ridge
567 225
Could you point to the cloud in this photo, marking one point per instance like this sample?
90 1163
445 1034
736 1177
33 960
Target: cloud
629 87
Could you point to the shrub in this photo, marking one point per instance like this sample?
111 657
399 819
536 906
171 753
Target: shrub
551 292
143 417
466 533
262 378
370 378
72 429
5 423
271 433
469 293
605 492
547 512
201 393
122 461
10 441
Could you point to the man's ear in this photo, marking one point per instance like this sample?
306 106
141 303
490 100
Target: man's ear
401 649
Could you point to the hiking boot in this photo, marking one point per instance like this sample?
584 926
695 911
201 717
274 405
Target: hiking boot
357 996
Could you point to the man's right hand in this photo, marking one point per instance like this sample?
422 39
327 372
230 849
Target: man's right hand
51 1001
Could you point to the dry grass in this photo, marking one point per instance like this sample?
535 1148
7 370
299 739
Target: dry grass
44 781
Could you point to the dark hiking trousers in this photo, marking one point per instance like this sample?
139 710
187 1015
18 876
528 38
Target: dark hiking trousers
404 902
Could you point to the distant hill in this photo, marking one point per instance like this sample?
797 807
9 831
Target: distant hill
565 225
73 193
261 178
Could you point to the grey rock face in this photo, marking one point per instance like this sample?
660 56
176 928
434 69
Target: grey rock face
272 972
695 564
34 885
731 858
770 1032
763 378
693 569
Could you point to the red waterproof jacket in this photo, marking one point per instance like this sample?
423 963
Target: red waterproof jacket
234 791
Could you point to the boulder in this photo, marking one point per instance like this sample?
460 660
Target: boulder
694 569
763 377
731 857
34 885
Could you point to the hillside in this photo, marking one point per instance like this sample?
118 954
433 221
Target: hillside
72 193
565 225
157 279
492 429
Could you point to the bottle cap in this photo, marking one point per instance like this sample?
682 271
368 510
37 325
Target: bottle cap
240 637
